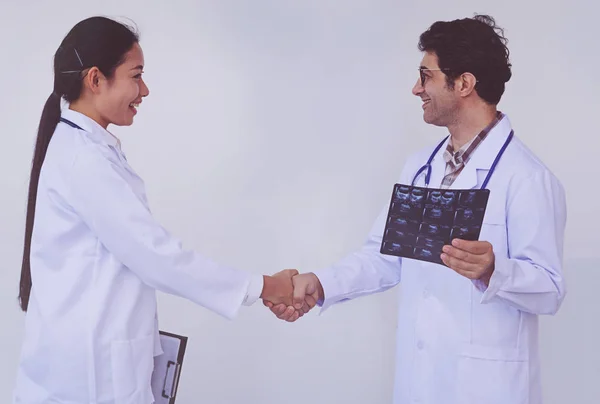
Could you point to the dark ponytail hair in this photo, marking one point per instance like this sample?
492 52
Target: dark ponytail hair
94 42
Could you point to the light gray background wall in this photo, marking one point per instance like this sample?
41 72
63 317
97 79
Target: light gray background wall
273 135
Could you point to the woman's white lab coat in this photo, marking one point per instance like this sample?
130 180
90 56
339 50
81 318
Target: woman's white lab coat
97 257
459 342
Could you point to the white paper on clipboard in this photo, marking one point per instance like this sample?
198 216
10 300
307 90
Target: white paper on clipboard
167 368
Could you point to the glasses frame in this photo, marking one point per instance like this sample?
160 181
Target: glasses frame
424 78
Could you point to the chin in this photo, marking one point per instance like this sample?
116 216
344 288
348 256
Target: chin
428 119
124 122
432 120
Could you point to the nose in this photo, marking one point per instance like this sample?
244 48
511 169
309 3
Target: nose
418 88
144 91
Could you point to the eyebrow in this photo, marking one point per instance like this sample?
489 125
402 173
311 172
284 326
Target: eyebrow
139 67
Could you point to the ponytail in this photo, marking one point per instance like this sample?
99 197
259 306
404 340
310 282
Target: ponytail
48 122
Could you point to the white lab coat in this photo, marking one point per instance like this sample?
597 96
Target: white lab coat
457 341
97 259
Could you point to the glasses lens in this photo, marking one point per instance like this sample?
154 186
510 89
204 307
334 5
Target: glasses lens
422 75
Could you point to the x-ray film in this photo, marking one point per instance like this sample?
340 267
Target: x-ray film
422 220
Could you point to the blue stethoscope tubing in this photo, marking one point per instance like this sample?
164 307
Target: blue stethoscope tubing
427 166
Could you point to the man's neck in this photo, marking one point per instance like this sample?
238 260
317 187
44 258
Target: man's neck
471 123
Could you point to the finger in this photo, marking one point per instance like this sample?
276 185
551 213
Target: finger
473 247
467 274
311 301
300 286
268 304
305 307
458 253
460 265
278 309
291 272
294 317
287 314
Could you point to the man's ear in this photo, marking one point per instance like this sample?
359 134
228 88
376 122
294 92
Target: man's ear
465 84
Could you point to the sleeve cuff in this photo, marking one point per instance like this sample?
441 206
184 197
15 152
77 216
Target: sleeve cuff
498 278
328 283
255 289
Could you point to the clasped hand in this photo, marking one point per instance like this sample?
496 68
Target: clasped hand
290 295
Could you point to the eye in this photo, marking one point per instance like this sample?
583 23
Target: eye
138 76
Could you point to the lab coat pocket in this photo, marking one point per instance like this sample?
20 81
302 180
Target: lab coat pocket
493 229
491 375
132 363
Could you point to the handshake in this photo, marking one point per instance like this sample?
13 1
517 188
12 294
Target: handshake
291 295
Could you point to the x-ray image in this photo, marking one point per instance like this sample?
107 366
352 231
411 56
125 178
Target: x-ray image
417 197
397 249
437 214
406 210
434 197
408 203
468 217
399 236
402 194
402 224
428 254
429 243
448 200
422 220
436 231
472 199
465 233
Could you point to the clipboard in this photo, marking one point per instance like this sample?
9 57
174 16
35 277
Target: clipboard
167 367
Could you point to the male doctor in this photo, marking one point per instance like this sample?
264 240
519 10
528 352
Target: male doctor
467 330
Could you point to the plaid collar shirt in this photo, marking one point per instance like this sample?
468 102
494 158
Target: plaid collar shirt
456 160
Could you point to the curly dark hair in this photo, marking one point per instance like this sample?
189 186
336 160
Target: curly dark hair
474 45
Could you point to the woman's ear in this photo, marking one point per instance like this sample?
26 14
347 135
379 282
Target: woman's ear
93 79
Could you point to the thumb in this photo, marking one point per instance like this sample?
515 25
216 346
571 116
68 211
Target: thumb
292 272
311 288
300 287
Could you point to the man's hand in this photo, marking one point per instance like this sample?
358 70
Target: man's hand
471 259
279 287
307 291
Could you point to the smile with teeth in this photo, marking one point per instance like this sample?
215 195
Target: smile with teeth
134 104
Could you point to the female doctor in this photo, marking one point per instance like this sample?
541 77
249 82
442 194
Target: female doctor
94 256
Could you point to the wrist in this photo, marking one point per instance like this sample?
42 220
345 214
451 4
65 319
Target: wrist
268 287
488 276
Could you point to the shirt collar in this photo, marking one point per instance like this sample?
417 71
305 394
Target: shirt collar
462 155
89 125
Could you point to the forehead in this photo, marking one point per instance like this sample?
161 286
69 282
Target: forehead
134 57
429 60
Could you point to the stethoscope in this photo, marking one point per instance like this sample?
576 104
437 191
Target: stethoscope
427 166
74 125
71 124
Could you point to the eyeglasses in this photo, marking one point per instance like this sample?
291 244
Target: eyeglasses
424 77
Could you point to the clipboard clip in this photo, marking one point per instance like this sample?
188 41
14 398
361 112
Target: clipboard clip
174 373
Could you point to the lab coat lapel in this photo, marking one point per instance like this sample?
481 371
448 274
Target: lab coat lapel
467 179
474 172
